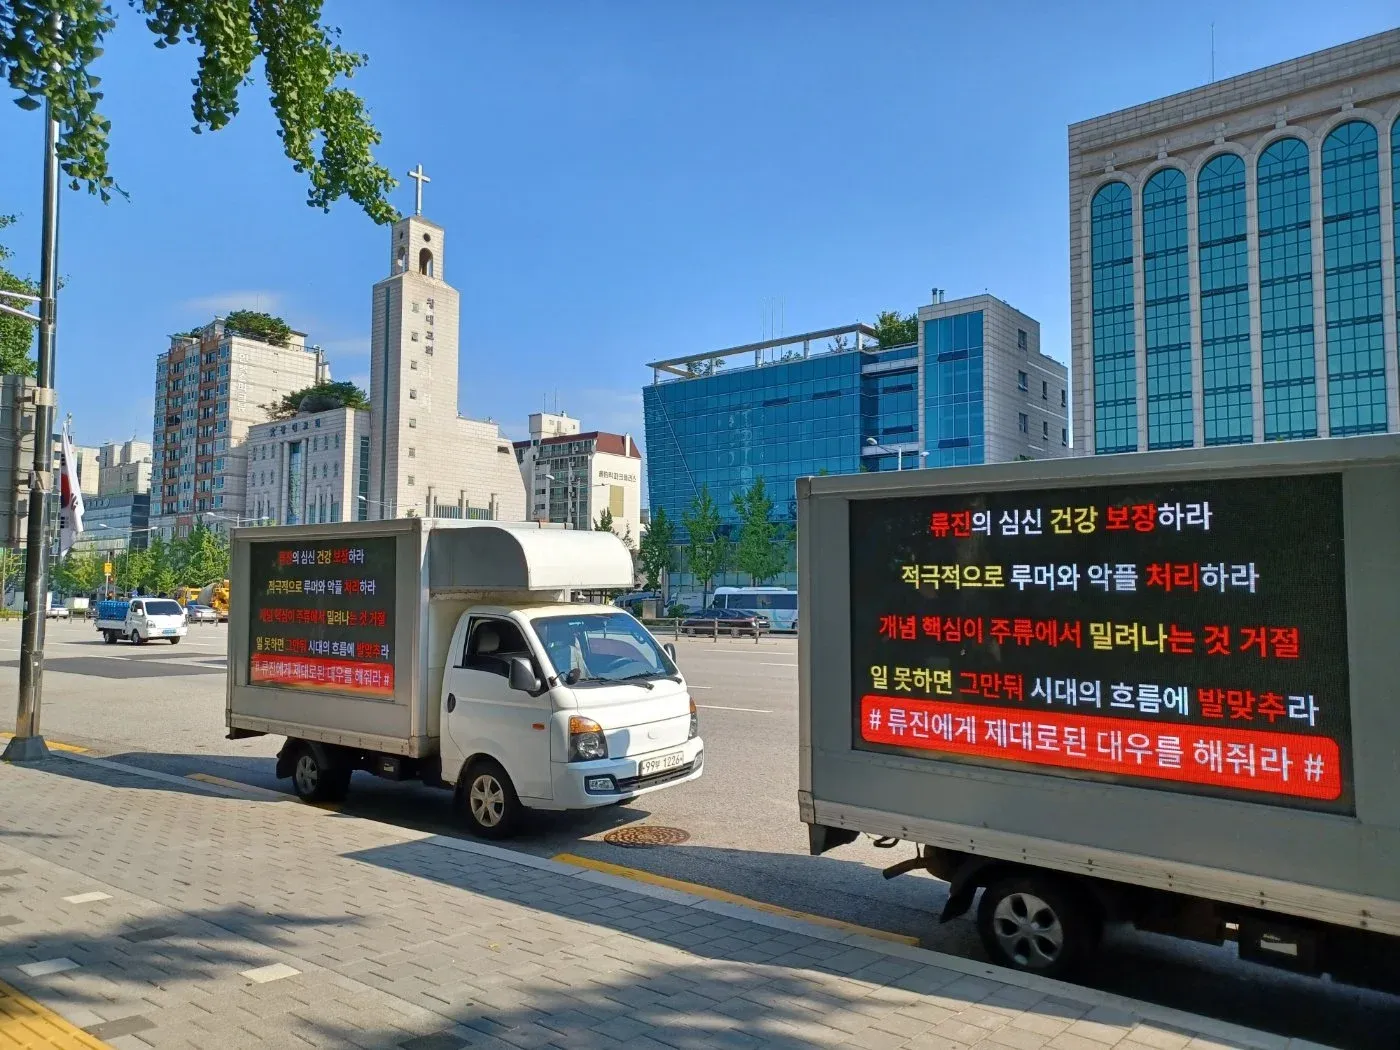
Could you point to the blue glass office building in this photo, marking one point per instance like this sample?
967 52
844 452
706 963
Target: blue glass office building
1233 258
974 388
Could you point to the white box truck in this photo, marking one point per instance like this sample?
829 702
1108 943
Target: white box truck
1156 688
450 652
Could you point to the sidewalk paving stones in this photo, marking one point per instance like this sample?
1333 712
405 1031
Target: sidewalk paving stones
159 912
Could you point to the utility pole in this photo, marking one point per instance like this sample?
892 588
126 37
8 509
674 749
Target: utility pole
28 745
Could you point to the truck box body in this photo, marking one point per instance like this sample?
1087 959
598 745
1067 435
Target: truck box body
352 651
1175 670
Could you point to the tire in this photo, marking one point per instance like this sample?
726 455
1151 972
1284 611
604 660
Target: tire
175 641
489 804
138 639
110 637
1038 924
316 777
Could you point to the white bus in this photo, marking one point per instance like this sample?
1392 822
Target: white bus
777 603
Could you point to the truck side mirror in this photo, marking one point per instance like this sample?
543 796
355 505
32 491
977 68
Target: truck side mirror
669 650
522 676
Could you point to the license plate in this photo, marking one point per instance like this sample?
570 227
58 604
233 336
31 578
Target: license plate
661 763
168 630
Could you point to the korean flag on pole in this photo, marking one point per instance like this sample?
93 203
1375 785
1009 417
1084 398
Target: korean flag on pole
70 513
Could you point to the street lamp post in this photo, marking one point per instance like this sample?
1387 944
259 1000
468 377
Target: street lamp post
377 503
27 745
898 452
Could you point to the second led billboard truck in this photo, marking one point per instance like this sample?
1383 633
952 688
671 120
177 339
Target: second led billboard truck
1158 689
450 652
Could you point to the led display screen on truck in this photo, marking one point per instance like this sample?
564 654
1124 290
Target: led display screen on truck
321 615
1181 636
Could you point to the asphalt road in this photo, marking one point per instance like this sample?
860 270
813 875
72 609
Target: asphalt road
162 707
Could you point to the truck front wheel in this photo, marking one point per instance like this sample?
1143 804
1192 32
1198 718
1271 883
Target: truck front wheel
488 800
317 777
1038 924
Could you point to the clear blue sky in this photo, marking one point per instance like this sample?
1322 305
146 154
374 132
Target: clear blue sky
622 181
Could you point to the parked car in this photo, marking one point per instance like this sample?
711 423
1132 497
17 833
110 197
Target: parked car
58 612
200 614
724 621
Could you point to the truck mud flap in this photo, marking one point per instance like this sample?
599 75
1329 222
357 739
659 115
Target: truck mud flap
820 838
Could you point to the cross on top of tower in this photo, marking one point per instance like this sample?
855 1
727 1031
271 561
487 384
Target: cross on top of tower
417 175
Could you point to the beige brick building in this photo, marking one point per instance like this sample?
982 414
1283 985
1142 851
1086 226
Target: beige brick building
1233 258
425 458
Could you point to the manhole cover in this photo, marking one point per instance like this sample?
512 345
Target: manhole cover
647 835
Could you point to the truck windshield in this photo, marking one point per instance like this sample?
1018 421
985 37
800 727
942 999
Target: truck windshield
601 647
162 608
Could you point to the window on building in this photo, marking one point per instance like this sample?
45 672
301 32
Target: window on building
1286 291
1063 400
1064 435
1115 349
1022 341
413 337
414 307
413 365
412 453
1044 390
1022 381
1023 422
1223 255
1167 310
410 479
412 422
412 394
1044 428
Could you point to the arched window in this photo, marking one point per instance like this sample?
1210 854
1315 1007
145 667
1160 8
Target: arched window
1223 257
1351 260
1395 207
1115 357
425 262
1286 292
1167 310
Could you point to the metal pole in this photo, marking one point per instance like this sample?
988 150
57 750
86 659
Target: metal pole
28 745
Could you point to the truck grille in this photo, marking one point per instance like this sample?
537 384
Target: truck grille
634 783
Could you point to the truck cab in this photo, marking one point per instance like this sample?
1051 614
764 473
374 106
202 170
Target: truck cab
577 704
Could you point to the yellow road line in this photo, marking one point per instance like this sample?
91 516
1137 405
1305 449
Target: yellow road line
54 745
26 1023
710 893
238 785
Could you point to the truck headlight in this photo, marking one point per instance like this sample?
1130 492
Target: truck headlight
586 740
694 722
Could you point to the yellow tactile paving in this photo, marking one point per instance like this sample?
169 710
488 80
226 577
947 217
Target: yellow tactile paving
33 1026
53 745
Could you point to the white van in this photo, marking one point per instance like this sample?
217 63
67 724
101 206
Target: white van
141 620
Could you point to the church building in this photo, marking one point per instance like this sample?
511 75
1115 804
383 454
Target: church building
425 459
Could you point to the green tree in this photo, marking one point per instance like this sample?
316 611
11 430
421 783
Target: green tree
762 551
318 398
325 130
605 521
78 573
894 329
16 335
201 558
253 324
159 576
707 548
657 551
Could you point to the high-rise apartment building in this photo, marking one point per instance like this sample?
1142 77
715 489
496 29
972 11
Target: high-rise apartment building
123 467
1233 258
211 386
975 388
572 477
425 458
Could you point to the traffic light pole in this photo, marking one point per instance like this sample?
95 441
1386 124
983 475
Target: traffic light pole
27 745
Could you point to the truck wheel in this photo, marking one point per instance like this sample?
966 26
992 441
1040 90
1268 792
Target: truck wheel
1037 924
138 638
317 778
488 800
110 637
174 641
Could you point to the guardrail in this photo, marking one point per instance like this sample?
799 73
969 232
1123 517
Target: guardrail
672 625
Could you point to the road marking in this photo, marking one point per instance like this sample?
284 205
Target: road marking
711 893
48 966
24 1022
275 972
54 745
88 898
746 710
